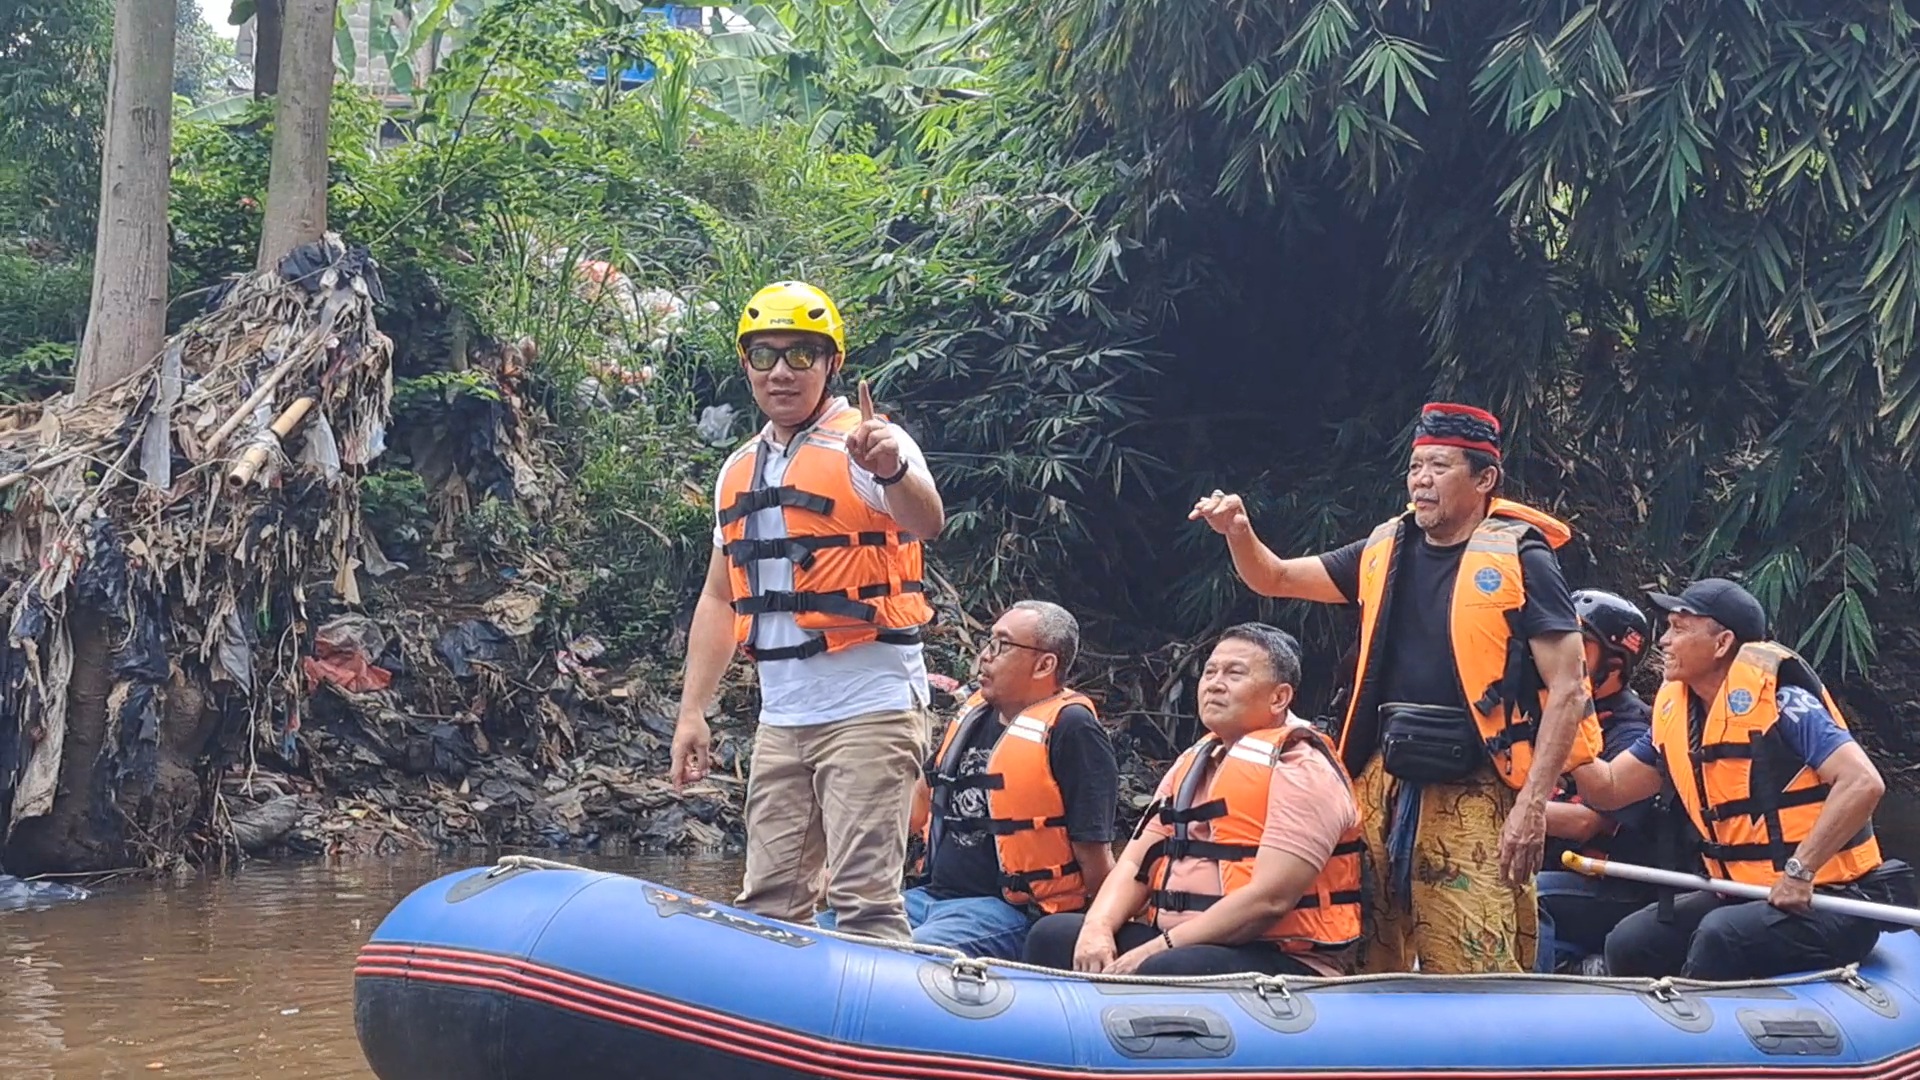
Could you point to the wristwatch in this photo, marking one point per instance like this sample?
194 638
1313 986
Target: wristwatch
889 481
1797 870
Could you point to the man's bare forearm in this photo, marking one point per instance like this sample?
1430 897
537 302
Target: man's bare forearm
1566 706
915 503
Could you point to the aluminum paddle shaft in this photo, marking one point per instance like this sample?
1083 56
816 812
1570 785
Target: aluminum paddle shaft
1839 905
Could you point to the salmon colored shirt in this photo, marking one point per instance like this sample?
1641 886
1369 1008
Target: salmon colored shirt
1309 808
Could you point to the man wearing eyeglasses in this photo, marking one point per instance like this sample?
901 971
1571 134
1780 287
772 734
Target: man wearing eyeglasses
816 576
1019 801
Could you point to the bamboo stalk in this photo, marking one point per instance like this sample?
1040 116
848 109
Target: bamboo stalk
256 455
11 479
253 402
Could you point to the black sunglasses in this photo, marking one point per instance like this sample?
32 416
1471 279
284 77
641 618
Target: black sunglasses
799 357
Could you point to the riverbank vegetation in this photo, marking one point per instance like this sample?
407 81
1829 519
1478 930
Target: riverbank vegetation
1102 257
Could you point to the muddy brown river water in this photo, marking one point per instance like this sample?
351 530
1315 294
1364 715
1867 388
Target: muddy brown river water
250 974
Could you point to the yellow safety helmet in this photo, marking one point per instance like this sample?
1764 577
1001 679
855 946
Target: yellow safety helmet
791 305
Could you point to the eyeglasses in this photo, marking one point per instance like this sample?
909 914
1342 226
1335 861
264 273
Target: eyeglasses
998 645
800 356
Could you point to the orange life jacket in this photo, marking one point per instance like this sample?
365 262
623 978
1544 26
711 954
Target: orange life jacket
1751 796
1491 658
856 576
1026 812
1328 915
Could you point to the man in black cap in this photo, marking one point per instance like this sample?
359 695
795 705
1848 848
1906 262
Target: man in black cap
1757 752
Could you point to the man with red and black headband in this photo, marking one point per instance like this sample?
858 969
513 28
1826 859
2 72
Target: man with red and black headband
1470 698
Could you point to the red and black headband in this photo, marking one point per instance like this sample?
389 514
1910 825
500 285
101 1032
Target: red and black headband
1445 424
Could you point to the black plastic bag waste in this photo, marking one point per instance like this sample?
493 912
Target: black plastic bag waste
471 642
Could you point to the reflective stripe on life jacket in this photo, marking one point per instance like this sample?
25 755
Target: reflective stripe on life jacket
1492 660
1750 795
1026 811
1328 915
856 575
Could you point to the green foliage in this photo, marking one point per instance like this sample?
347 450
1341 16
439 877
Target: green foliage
218 192
202 59
515 186
436 389
1011 328
1103 257
845 66
1672 244
53 80
498 532
393 503
43 308
37 371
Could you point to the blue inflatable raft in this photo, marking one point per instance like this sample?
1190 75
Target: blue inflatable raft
538 972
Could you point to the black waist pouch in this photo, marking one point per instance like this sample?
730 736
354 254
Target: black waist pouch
1429 744
1892 882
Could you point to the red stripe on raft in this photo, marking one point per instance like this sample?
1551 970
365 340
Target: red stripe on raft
774 1051
851 1061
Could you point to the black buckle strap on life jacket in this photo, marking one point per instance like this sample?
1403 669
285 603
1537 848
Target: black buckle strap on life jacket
1174 848
1309 901
766 498
1206 811
817 644
1176 900
1522 732
800 550
1179 813
945 779
813 646
1772 852
1764 804
1024 882
1518 687
798 603
1010 826
983 781
1211 850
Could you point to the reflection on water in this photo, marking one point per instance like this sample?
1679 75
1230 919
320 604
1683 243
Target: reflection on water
249 975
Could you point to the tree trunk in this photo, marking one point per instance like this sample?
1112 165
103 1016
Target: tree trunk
267 22
297 187
127 318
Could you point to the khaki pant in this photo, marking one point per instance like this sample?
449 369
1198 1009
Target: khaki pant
1462 918
830 801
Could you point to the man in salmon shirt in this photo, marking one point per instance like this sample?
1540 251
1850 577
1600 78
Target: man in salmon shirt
1249 858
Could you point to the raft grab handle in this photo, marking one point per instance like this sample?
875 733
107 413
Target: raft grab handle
1168 1032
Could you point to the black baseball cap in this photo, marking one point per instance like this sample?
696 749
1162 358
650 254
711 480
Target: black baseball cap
1722 601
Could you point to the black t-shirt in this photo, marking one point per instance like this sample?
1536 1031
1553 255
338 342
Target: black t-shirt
1081 757
1417 651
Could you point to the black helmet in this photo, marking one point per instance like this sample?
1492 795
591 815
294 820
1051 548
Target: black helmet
1621 629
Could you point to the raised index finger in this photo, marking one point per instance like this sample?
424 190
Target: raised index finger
866 401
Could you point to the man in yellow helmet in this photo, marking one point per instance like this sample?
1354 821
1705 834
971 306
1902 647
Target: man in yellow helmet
816 576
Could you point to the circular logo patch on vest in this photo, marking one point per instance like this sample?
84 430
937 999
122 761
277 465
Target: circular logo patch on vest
1741 702
1487 579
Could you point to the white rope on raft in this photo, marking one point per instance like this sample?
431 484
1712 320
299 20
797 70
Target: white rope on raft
964 966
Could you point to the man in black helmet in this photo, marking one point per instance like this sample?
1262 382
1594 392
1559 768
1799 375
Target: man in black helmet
1577 911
